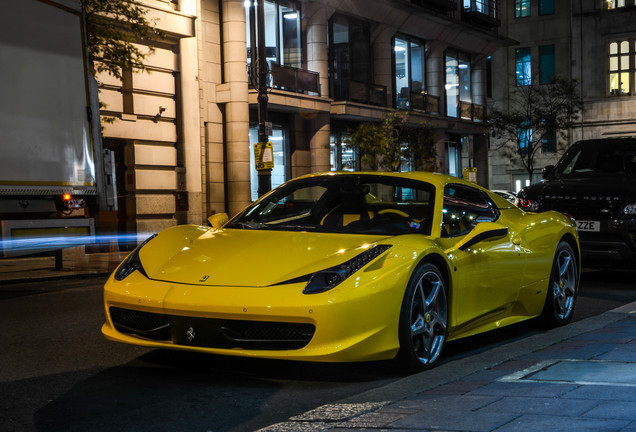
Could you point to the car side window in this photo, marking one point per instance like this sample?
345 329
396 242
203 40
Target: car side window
464 207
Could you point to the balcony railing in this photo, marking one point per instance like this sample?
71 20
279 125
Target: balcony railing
372 94
294 79
437 5
425 102
470 111
481 12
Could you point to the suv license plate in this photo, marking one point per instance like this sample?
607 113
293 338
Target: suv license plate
588 225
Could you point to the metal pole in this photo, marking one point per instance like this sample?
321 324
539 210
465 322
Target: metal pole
264 176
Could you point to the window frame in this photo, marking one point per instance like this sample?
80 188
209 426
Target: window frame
546 76
278 37
522 8
486 205
546 7
409 41
458 57
339 87
629 70
524 78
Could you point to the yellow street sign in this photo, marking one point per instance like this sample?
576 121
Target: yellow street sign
470 174
264 156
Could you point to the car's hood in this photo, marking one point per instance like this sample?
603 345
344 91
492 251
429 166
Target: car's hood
235 257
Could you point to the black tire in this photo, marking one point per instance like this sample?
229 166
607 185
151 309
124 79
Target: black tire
562 289
423 320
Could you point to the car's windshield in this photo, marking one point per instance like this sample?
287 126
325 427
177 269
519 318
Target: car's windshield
602 157
356 204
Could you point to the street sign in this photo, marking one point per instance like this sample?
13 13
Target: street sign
470 174
264 156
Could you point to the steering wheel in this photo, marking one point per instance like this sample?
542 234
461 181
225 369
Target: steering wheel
395 211
404 217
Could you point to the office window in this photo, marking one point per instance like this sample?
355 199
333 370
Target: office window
458 80
522 8
409 70
350 55
546 7
614 4
620 69
342 156
523 66
546 64
525 139
282 163
282 33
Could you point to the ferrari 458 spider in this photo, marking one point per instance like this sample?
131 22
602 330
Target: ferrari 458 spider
348 267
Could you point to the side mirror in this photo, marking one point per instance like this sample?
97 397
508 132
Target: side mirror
217 220
483 231
547 171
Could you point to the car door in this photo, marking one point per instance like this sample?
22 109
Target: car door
486 275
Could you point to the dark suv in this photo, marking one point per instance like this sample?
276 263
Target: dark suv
595 183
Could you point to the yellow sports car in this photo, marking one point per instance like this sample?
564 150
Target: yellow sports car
348 267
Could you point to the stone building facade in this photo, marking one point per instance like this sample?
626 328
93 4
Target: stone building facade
591 41
184 133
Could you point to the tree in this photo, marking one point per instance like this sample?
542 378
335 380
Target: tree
113 29
389 144
535 112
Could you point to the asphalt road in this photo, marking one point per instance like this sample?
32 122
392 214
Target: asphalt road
57 373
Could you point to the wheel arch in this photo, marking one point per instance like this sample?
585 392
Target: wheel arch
442 264
569 239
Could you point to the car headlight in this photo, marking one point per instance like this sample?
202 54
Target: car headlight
527 204
327 279
132 262
630 209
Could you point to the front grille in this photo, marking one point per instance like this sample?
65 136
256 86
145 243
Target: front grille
212 332
146 324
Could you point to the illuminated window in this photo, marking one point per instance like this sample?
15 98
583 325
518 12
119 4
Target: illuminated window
621 69
522 8
342 157
458 88
409 65
613 4
282 33
281 171
523 66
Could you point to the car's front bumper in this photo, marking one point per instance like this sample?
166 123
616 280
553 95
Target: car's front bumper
614 244
348 323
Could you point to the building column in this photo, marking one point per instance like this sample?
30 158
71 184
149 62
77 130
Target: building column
436 73
191 121
234 92
317 50
319 142
382 59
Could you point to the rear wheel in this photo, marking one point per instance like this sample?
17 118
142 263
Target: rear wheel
563 287
423 319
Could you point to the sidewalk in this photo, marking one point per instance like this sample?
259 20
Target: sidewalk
75 263
581 377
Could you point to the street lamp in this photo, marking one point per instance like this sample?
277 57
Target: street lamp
258 9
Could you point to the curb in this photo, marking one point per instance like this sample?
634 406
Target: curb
331 415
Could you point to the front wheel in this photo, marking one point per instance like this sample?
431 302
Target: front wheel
423 320
562 290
